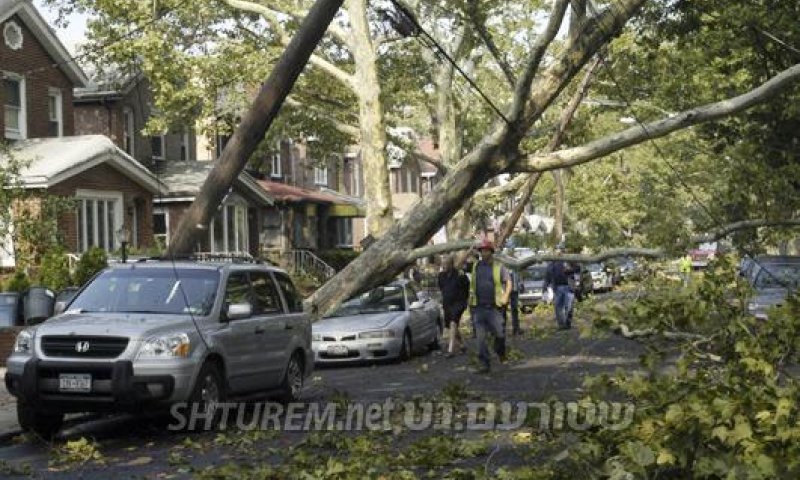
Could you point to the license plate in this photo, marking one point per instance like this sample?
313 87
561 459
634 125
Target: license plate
75 382
340 350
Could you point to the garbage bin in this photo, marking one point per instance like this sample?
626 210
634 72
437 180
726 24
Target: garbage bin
38 304
9 309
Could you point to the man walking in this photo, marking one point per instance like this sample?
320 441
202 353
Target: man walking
516 287
557 276
489 291
454 285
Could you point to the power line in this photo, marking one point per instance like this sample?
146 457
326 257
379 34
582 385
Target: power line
417 29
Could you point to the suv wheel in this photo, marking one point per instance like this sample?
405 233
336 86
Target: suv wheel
292 383
46 425
209 392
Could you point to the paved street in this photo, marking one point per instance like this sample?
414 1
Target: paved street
544 364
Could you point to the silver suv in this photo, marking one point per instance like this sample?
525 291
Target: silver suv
146 335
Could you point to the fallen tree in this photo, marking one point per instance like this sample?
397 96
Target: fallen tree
499 152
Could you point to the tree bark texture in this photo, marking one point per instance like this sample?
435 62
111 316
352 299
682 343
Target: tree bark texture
380 215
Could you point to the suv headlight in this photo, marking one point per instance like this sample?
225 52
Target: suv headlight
377 334
167 346
24 342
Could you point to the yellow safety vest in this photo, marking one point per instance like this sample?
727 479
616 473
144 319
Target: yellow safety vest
498 285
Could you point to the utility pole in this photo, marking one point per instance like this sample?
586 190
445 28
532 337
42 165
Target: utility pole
253 126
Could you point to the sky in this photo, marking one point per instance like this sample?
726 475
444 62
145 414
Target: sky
73 34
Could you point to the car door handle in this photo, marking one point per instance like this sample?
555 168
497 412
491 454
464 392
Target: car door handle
288 326
259 331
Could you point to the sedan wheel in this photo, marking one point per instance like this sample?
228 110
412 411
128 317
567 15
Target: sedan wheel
437 336
406 347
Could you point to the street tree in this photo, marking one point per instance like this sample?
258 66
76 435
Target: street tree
538 86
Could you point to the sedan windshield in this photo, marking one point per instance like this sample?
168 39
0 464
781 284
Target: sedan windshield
779 276
382 299
150 290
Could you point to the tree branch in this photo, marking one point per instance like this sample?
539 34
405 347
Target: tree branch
342 127
483 32
638 134
272 17
726 230
523 87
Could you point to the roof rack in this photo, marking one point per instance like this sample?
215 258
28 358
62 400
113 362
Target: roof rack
234 257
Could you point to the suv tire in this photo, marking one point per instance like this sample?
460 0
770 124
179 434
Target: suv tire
209 389
292 383
46 425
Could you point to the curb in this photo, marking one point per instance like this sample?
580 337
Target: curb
6 437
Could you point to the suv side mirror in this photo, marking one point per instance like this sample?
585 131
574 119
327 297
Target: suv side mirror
236 311
417 305
59 307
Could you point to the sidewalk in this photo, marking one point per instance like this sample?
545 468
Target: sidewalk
8 408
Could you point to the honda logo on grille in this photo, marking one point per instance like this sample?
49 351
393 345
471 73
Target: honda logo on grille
82 347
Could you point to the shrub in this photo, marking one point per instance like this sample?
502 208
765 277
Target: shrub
54 270
91 262
19 282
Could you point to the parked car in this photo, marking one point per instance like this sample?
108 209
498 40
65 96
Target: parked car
601 280
627 268
144 336
773 279
533 281
582 283
388 322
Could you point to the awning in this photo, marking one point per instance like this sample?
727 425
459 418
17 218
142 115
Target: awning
347 210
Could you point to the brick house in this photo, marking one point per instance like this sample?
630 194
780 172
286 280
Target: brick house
317 201
38 76
111 190
119 109
237 223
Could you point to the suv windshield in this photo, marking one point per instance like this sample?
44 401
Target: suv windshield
150 290
534 274
779 276
378 300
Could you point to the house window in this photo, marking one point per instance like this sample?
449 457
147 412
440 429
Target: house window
161 227
344 232
321 175
128 130
55 115
357 179
99 215
157 147
275 172
15 118
221 141
185 145
229 229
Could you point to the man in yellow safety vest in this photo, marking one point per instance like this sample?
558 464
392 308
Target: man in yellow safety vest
489 292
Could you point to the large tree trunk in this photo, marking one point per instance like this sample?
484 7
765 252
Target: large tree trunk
371 122
255 123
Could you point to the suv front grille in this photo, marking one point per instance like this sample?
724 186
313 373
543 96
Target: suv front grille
83 346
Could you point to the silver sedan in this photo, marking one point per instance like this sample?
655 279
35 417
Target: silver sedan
392 321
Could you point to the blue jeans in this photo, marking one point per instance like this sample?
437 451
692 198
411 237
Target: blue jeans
489 320
561 302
